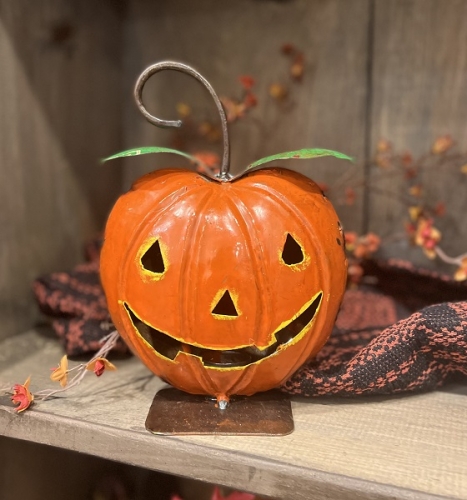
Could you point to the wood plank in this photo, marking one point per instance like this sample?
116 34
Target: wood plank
401 447
59 113
224 40
419 93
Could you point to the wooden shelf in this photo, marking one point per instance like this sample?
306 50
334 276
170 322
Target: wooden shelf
411 447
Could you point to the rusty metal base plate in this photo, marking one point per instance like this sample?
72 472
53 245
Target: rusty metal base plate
176 412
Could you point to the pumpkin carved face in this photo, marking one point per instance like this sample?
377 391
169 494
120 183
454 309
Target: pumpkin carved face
224 288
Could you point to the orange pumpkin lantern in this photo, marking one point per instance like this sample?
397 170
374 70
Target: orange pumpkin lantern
223 286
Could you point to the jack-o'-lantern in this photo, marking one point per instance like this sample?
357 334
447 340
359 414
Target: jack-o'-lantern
223 286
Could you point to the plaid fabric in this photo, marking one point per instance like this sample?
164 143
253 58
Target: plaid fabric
76 304
418 353
379 344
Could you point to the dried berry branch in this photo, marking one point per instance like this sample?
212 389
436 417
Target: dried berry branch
23 397
457 261
421 227
82 369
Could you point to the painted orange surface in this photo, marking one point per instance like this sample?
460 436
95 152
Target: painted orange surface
245 284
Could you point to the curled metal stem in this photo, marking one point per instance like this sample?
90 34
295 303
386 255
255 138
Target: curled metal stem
224 174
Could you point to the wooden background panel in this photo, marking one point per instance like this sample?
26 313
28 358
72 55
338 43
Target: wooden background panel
59 113
419 92
225 39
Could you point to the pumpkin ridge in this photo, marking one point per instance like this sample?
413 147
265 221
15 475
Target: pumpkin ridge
289 205
250 232
187 309
174 198
133 235
207 380
235 380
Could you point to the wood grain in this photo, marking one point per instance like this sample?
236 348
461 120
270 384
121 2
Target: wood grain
59 113
420 92
224 40
402 447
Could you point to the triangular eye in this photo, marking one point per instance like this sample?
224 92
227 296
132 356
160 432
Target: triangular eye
292 252
152 260
225 306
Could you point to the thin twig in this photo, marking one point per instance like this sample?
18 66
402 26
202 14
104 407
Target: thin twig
108 341
457 261
442 162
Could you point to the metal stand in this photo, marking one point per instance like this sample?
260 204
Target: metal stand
263 414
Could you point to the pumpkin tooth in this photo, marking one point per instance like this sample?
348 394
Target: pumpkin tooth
290 331
169 347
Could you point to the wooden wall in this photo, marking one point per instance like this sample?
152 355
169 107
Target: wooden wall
374 68
419 91
60 95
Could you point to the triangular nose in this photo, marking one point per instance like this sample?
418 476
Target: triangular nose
225 306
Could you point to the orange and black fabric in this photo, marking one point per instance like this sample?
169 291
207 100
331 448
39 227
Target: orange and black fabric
75 303
418 353
407 332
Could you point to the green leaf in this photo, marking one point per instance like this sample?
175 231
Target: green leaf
300 154
148 150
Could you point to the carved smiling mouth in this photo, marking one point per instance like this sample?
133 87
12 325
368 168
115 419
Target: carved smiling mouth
169 347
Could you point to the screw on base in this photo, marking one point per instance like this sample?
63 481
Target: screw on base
222 403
